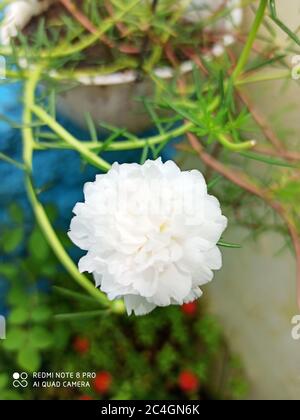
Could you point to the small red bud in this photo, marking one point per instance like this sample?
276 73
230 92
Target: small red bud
102 382
189 308
188 381
81 345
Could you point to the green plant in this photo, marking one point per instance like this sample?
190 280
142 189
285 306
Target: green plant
29 330
220 126
144 356
215 125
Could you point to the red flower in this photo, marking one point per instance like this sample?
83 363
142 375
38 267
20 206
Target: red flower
189 308
188 381
85 398
81 345
102 382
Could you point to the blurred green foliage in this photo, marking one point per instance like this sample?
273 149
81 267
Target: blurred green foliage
143 355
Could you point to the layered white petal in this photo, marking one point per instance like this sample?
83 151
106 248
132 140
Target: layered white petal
138 305
150 232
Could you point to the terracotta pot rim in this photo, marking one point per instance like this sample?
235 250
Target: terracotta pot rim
126 76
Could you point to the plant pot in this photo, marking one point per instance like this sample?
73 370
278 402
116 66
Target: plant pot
114 98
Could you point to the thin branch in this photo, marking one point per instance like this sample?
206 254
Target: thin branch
123 47
289 155
238 178
262 122
84 21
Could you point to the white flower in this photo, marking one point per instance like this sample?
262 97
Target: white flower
150 232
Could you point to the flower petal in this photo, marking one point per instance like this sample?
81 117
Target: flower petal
138 305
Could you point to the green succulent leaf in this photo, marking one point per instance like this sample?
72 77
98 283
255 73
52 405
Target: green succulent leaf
38 247
19 316
3 380
11 239
8 270
29 359
16 213
40 338
16 339
40 314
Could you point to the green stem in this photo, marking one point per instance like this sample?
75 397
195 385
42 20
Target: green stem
235 147
158 49
91 39
39 211
73 295
7 159
151 141
91 157
263 77
123 145
130 144
281 25
58 248
80 315
64 50
29 91
258 76
251 38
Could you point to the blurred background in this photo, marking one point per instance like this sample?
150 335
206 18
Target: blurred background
260 283
235 343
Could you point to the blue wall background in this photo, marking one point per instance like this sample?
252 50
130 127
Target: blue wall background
60 174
